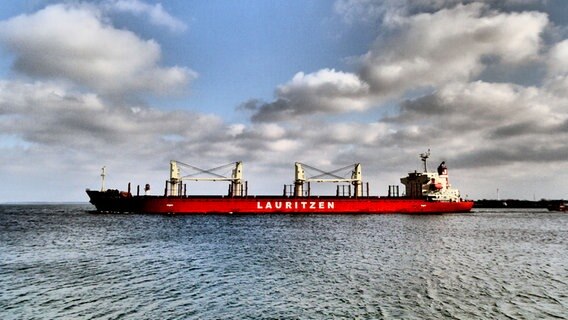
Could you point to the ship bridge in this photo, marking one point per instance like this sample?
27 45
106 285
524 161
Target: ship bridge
430 185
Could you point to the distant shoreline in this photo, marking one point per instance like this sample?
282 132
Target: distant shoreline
514 203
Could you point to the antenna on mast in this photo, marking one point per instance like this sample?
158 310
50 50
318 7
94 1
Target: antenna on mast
103 174
424 157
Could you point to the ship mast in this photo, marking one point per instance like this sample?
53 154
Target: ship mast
103 174
424 157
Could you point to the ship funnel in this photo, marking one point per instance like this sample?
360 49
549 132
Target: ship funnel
443 173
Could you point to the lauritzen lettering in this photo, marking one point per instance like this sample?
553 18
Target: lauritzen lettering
295 205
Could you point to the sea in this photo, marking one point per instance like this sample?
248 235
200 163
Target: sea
63 261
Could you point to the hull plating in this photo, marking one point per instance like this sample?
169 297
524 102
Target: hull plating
270 204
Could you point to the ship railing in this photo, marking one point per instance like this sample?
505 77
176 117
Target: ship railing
180 189
289 191
394 191
342 190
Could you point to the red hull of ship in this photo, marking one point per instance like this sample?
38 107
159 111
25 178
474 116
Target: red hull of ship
273 204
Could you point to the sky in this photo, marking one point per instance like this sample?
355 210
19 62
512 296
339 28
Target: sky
133 84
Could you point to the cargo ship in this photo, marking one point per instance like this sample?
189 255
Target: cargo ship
425 193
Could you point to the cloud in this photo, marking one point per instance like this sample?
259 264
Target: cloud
326 91
558 58
557 69
497 131
493 126
423 50
426 51
47 127
487 124
73 43
156 13
357 11
53 115
370 11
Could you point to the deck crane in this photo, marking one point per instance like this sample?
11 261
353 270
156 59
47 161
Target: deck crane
237 187
300 177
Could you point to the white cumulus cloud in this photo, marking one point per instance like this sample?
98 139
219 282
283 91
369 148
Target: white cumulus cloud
325 91
434 48
73 43
423 50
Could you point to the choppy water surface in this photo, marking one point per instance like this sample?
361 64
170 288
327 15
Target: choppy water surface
59 261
